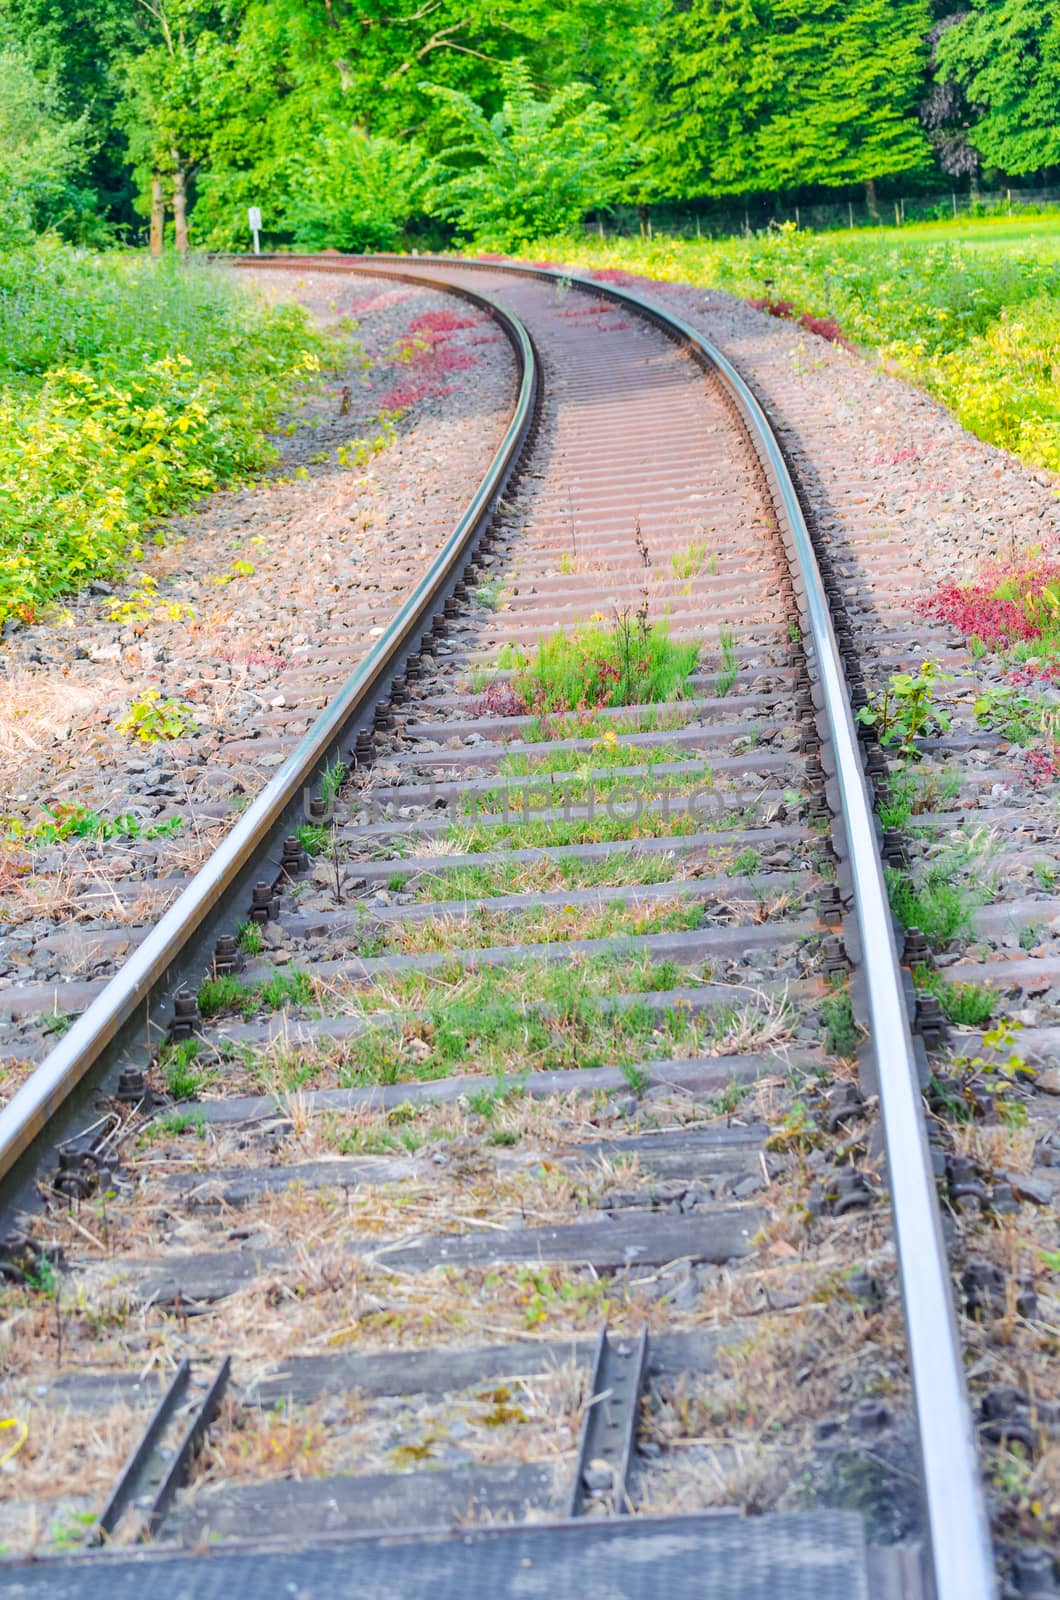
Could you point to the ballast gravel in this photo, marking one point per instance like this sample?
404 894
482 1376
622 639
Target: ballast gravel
284 585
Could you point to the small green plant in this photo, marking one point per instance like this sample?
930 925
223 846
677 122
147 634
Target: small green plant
228 993
238 569
798 1132
841 1033
906 711
56 1023
488 594
358 452
1045 875
637 1078
940 900
42 1276
966 1005
175 1123
595 666
331 781
316 838
730 664
144 604
745 862
1000 1068
62 823
70 1533
1016 717
183 1078
688 563
250 939
152 719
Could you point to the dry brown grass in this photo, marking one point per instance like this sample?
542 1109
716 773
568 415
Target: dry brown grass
527 1418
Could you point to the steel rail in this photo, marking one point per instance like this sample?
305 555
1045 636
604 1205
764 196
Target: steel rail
50 1086
958 1526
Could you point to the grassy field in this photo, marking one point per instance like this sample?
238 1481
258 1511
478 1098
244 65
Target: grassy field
127 389
970 310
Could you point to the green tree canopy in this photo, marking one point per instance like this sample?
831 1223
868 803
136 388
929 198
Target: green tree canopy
41 150
1005 54
533 168
752 95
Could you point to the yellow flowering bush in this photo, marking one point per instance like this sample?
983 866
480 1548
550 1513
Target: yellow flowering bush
977 323
174 379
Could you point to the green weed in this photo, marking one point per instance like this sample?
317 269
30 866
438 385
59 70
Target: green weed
730 663
841 1033
628 663
62 822
227 993
152 719
183 1078
966 1005
906 710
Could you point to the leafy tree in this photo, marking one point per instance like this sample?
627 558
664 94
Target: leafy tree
40 150
774 94
76 46
533 168
1005 55
352 190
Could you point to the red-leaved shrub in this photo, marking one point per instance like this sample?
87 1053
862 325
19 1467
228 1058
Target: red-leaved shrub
496 700
1003 607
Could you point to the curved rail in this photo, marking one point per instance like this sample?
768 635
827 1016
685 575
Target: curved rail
961 1548
961 1551
48 1088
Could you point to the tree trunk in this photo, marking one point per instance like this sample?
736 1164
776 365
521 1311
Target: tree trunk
158 214
180 209
870 197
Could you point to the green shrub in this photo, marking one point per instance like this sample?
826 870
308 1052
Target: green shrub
127 390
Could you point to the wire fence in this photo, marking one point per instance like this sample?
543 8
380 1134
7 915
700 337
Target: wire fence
756 215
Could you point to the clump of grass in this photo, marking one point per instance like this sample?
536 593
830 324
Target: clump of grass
940 900
250 939
910 793
176 1123
227 993
689 563
966 1005
566 872
479 1021
483 929
316 838
730 664
627 663
183 1079
841 1033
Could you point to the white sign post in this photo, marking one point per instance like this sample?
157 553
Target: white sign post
254 218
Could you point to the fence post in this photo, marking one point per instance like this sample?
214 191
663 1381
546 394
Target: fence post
903 208
953 195
850 211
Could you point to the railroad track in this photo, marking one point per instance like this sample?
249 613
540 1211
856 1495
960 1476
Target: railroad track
430 1191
